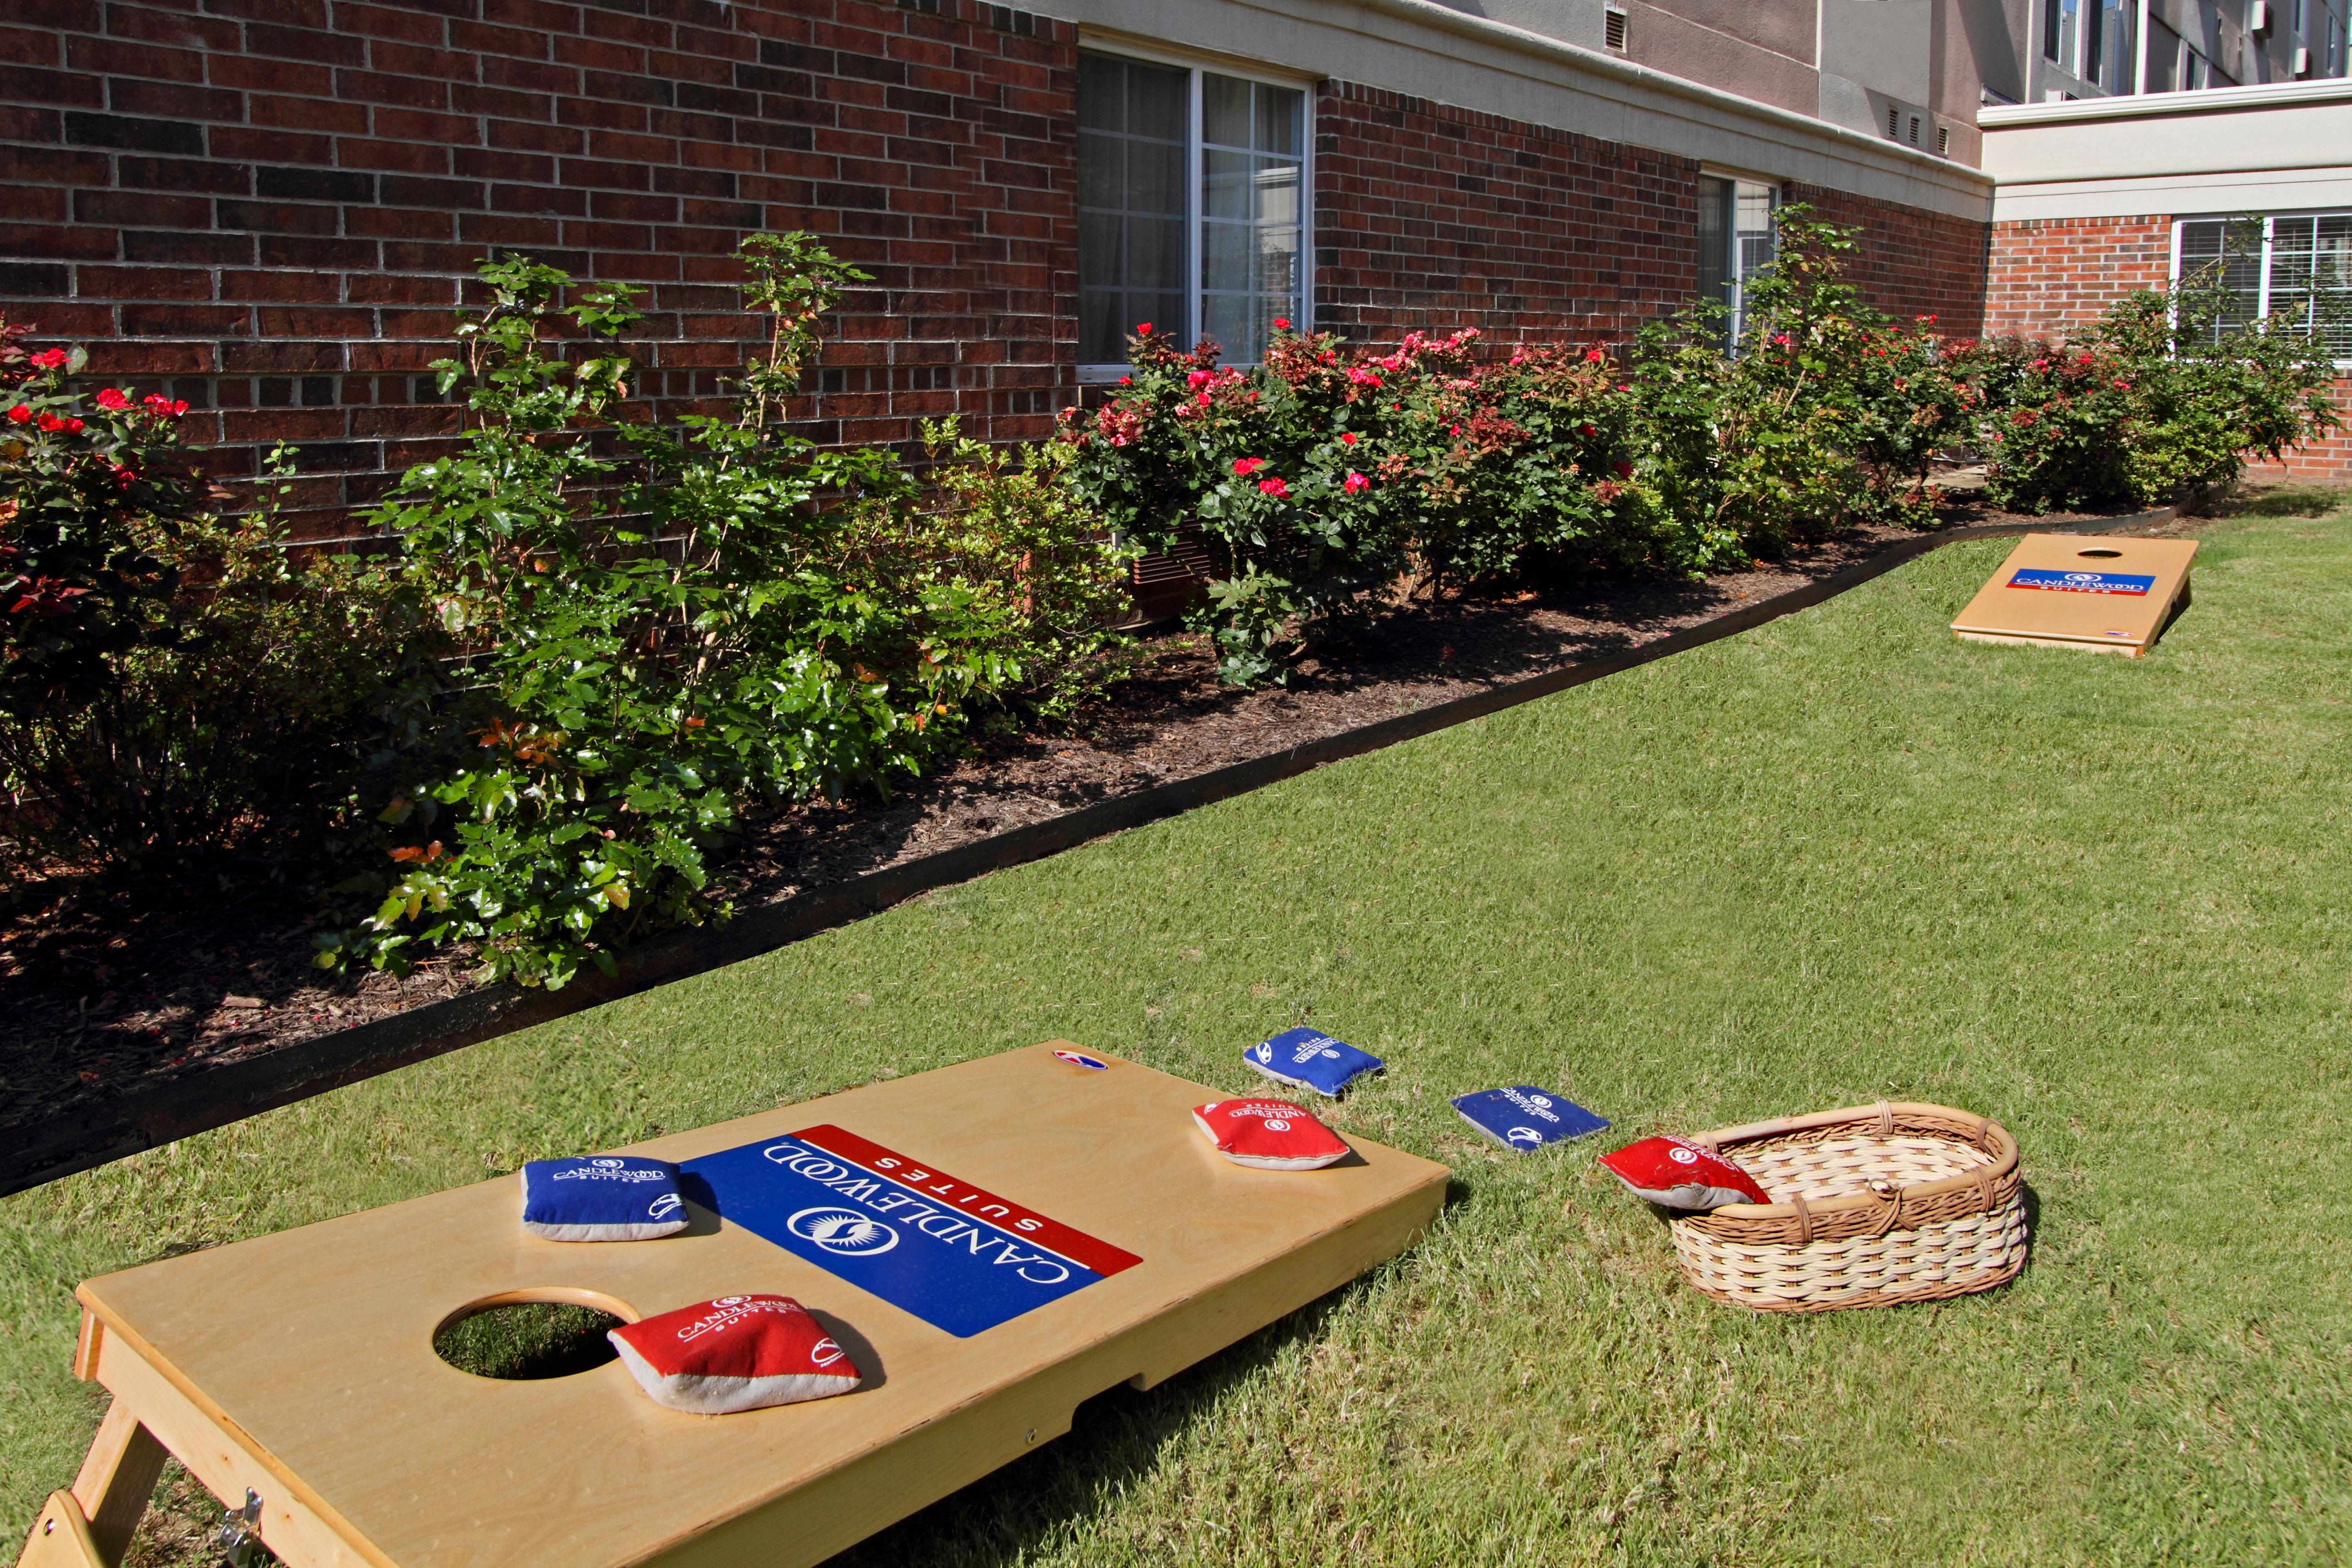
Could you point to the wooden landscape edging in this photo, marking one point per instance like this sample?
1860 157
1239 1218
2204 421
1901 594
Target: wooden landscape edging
216 1097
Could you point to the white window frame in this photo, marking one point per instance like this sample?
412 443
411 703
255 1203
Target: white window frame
2270 230
1196 63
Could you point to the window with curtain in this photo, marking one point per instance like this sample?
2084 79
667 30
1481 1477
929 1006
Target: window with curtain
1191 207
1735 240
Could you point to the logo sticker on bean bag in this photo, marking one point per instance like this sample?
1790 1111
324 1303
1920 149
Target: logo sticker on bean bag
1525 1117
1679 1174
737 1353
1269 1134
1309 1058
605 1197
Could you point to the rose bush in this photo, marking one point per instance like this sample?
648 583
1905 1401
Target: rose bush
1325 478
174 684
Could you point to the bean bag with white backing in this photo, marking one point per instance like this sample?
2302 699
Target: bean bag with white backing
1677 1174
737 1353
605 1197
1269 1134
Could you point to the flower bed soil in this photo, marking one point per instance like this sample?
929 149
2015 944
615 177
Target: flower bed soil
127 998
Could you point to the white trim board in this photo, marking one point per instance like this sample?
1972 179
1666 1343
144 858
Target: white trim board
1426 50
2273 190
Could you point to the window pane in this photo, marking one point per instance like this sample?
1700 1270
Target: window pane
1225 111
1225 255
1155 101
1251 265
1101 182
1155 177
1155 253
1131 202
1225 184
2227 256
1279 119
1714 240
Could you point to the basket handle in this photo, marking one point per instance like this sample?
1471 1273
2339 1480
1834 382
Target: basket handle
1891 1215
1804 1220
1885 1120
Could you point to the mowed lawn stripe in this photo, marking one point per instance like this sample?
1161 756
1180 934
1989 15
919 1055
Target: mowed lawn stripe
1842 857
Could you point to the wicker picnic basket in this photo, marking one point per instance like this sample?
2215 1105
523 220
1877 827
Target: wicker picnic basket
1879 1205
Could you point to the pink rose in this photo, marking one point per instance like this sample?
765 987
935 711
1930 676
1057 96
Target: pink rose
1356 481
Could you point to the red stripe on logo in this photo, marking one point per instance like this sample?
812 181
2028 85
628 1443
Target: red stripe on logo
966 1199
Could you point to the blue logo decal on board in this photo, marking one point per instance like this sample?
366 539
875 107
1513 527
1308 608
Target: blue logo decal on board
1525 1117
954 1255
2052 581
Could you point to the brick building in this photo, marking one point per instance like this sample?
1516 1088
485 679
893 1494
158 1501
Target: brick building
2096 197
271 207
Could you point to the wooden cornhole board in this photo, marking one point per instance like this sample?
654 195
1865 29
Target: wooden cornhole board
300 1366
2056 590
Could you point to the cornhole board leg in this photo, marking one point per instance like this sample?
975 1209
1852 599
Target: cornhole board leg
90 1526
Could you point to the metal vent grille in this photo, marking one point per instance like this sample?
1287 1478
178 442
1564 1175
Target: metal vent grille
1614 27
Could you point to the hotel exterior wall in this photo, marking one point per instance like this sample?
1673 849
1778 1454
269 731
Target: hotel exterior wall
273 206
2051 275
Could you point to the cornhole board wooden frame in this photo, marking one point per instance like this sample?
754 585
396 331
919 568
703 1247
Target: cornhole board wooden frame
2075 605
300 1368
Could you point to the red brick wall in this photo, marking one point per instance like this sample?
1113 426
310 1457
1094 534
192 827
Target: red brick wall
270 205
2049 276
1432 218
1910 261
1435 217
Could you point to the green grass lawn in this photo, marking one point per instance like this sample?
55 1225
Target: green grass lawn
1846 856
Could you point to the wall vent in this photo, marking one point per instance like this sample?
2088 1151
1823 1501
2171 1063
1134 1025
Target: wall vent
1914 130
1612 28
1943 140
1893 122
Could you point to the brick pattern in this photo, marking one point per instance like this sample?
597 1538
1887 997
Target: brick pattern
271 207
1910 261
2049 276
1434 218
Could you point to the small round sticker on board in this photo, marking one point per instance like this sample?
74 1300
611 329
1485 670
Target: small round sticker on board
1080 1060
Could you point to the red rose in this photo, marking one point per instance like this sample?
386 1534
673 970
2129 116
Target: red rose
1273 487
21 414
49 360
1245 467
1356 481
113 397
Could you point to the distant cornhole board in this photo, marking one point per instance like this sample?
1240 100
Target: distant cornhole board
2056 590
1088 1235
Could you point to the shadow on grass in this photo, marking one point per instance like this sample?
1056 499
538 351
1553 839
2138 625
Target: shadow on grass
2280 500
1114 1440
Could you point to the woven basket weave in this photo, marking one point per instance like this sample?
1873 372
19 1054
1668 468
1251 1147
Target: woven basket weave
1876 1206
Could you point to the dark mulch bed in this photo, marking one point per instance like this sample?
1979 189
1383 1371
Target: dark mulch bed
119 987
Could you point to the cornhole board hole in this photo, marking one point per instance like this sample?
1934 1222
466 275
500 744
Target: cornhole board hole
993 1243
2055 590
